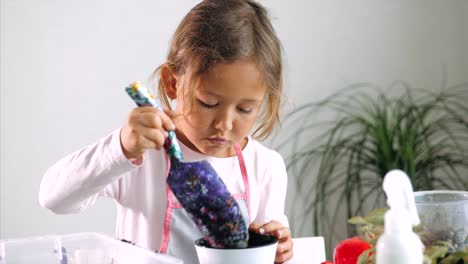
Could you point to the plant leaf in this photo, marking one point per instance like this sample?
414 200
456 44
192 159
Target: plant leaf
376 217
357 220
436 251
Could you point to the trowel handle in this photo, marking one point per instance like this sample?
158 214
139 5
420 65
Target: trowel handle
142 97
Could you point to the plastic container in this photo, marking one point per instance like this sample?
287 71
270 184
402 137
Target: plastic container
444 215
80 248
261 250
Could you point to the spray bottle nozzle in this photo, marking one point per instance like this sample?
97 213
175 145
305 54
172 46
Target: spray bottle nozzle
398 243
399 190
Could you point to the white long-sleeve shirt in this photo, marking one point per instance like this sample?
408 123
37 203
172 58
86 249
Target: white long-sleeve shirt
75 182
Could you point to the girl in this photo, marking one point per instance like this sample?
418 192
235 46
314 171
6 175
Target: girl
224 70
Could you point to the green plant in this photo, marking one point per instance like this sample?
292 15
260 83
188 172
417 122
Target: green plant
371 228
341 148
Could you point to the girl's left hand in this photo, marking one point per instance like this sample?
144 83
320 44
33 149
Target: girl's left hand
284 250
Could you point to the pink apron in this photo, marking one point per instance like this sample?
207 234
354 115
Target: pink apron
180 232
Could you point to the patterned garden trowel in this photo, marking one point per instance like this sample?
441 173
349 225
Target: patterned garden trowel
199 189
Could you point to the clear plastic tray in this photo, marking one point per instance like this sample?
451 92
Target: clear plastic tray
80 248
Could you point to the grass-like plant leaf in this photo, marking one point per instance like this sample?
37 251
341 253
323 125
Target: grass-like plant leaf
343 146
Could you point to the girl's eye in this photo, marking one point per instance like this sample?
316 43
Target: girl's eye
205 105
211 106
244 110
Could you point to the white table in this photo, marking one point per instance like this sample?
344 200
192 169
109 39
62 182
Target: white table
308 250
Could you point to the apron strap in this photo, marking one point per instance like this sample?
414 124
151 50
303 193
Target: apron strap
245 177
168 214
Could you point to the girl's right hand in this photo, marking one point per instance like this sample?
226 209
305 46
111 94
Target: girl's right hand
146 128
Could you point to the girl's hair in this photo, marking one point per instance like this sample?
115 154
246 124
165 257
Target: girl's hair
223 31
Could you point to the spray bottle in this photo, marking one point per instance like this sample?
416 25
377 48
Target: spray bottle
399 244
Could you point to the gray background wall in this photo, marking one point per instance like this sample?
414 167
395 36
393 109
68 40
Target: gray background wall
64 65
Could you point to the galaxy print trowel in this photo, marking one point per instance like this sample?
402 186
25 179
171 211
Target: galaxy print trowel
199 189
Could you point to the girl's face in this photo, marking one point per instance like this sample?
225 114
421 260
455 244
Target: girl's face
223 109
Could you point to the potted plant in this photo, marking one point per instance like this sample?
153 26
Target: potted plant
341 147
371 228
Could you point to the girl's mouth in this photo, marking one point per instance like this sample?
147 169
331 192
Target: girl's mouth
217 140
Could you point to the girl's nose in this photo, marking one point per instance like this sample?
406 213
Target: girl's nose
224 120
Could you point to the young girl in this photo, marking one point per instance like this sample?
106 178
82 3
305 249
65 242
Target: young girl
224 70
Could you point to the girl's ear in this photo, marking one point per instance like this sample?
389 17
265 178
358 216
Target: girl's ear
169 81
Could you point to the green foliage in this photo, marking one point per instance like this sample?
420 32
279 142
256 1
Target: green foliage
371 228
346 143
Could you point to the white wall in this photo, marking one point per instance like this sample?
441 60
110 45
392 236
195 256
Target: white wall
64 65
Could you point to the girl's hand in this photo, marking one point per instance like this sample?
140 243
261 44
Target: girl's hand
284 250
146 128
